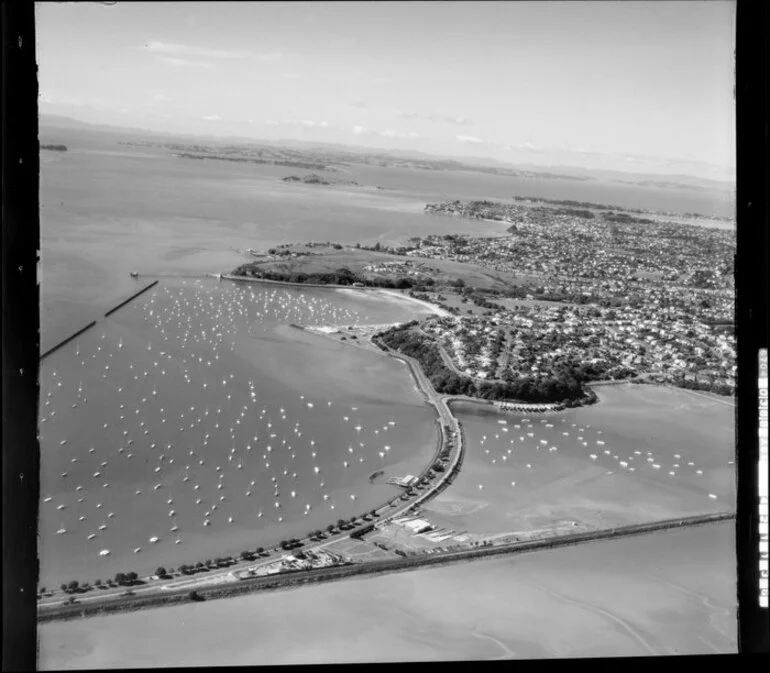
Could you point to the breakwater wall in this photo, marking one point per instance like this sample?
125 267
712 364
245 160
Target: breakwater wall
612 382
528 408
298 578
68 339
131 298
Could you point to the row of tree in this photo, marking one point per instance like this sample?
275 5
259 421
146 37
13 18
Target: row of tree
342 276
121 579
132 578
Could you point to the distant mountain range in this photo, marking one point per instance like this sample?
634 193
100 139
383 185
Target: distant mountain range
664 181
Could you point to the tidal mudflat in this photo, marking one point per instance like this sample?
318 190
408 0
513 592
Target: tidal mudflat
195 423
659 594
643 453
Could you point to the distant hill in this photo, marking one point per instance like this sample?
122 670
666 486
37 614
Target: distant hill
486 164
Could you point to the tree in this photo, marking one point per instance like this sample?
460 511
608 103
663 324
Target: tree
330 528
260 550
120 578
73 585
63 586
195 596
161 571
98 582
340 522
246 555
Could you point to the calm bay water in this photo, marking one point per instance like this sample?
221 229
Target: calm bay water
107 210
196 416
644 453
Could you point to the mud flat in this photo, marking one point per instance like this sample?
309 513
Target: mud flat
522 474
657 594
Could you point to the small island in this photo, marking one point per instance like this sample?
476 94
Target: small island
54 148
314 179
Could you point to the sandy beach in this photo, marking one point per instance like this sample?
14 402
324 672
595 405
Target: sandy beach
398 297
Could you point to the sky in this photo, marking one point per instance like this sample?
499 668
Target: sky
636 86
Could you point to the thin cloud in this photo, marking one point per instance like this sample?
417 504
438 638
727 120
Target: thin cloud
469 139
386 133
202 52
457 120
390 133
305 123
182 62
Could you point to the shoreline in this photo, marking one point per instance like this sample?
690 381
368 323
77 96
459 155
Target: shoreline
445 421
387 292
341 573
392 508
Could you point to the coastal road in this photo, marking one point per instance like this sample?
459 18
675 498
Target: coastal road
225 575
289 579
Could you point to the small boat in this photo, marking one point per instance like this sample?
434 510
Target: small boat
104 552
134 274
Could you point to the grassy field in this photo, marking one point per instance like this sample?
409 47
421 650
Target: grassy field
328 259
